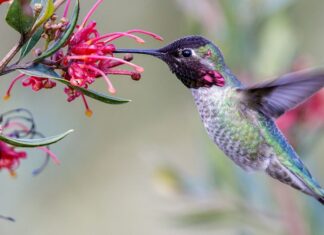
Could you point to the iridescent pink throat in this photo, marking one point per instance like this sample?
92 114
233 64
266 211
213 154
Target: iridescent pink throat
213 77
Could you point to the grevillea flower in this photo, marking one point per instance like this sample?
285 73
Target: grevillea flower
87 56
10 158
19 123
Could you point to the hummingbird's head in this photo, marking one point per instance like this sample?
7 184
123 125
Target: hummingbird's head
196 61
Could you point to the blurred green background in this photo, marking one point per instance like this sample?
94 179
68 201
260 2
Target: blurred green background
148 167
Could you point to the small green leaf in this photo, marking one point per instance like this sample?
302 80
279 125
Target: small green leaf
20 16
31 43
40 70
31 143
60 42
95 95
47 12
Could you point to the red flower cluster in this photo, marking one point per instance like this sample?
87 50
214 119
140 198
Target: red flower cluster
86 57
19 123
10 158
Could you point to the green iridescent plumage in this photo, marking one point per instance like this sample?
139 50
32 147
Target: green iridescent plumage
240 119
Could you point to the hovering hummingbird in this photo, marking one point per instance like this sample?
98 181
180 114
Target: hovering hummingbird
240 119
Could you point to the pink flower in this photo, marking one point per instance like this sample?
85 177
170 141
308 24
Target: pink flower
87 56
287 121
10 158
38 83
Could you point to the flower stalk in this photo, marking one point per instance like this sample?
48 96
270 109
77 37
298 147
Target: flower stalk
11 54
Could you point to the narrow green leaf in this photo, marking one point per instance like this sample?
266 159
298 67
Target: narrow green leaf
31 43
20 16
47 12
60 42
96 95
40 70
31 143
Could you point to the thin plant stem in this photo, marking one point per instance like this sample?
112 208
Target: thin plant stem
11 54
92 10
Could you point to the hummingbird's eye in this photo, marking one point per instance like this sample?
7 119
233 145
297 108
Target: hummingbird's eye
186 53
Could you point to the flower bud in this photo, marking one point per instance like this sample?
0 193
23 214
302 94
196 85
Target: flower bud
128 57
136 76
53 17
38 8
47 26
64 20
38 52
49 84
45 36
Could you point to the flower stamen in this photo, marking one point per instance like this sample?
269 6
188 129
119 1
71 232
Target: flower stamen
66 9
88 111
113 36
90 13
85 57
7 96
153 35
51 154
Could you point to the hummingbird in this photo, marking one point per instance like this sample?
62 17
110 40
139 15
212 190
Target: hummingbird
239 118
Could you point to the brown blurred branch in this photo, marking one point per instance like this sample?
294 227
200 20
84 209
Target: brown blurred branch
11 54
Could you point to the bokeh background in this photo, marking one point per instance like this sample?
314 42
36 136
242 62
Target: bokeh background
148 167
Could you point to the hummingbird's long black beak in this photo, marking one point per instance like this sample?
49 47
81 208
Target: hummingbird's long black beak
151 52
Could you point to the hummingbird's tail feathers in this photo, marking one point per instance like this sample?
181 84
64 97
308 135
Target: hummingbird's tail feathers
300 180
313 189
321 200
274 98
319 195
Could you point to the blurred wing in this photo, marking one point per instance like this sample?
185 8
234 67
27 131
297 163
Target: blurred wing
276 97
